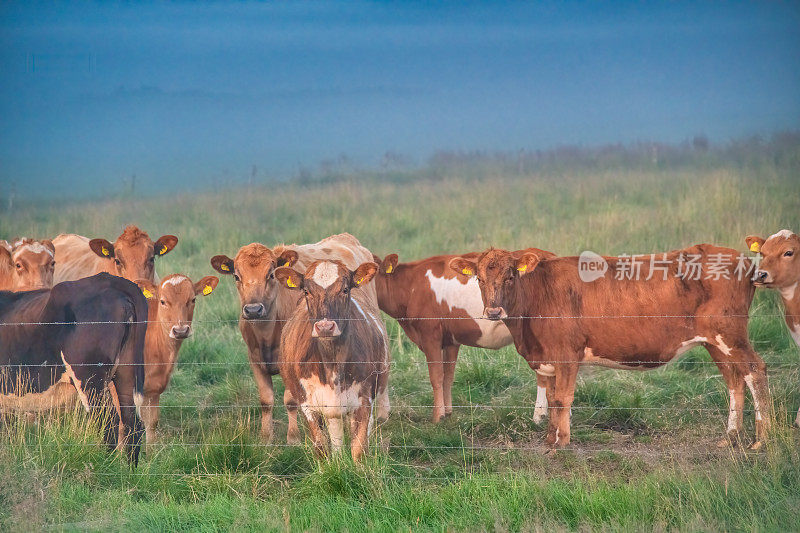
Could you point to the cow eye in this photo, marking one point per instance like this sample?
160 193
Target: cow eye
788 253
116 262
236 278
163 302
272 275
52 263
194 299
346 290
152 260
18 265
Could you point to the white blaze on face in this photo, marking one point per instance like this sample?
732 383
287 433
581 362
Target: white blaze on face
456 295
175 280
35 248
326 274
782 234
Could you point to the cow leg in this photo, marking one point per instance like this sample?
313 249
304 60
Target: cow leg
735 382
336 433
433 353
316 428
293 431
540 408
359 430
266 396
150 411
124 387
112 393
449 373
566 373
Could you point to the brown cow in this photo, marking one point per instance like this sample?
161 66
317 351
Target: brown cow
26 265
266 306
170 311
334 352
560 322
779 269
132 256
426 297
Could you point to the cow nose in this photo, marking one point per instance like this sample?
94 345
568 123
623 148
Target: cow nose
324 328
253 310
494 313
181 332
761 276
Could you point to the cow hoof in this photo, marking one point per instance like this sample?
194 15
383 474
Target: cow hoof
293 439
266 437
551 452
538 419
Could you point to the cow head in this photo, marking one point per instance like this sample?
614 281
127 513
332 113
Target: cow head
498 274
780 264
326 286
253 270
174 301
133 253
29 264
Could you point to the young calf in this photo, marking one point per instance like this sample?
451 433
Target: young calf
780 269
560 322
334 352
439 311
170 311
26 265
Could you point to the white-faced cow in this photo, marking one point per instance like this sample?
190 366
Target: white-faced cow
334 352
559 321
780 269
132 256
68 341
170 310
440 311
266 305
26 264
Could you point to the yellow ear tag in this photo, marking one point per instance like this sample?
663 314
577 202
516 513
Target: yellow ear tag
359 281
207 290
164 250
522 268
147 294
290 283
389 269
224 267
467 271
755 247
105 251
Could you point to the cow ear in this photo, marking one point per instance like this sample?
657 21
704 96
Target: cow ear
5 245
164 244
102 247
289 277
148 288
754 243
47 243
222 264
527 263
463 266
287 258
5 255
206 285
363 274
389 263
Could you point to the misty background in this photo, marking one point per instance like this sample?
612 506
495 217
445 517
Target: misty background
187 96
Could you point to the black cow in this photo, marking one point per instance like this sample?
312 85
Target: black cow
77 336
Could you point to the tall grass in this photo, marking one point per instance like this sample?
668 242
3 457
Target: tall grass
644 455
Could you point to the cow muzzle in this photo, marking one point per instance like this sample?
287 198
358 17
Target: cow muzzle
180 332
762 277
325 329
253 311
495 313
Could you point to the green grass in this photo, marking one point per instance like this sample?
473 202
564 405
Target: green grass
644 453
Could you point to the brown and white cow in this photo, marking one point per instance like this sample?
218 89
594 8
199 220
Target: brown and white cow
559 321
132 256
170 311
266 305
334 352
26 265
779 269
440 311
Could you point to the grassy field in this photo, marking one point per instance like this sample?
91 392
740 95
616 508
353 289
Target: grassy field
643 455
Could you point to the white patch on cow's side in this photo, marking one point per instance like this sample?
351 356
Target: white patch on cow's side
749 380
456 295
787 293
722 346
326 274
175 280
540 409
732 418
76 382
688 345
782 234
35 248
546 369
331 401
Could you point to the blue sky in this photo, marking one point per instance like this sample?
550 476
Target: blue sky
187 94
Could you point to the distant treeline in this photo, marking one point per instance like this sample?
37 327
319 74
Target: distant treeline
781 150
